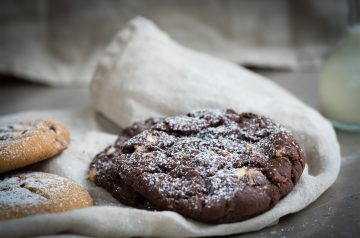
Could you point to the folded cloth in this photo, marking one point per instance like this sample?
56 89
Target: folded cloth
145 73
109 218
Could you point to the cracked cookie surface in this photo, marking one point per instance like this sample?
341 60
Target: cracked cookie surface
214 166
24 194
26 142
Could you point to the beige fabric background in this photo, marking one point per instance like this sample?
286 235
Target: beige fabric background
59 42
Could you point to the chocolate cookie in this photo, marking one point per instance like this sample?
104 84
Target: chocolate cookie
103 171
26 142
24 194
212 166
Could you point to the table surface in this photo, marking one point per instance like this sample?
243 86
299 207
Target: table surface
335 214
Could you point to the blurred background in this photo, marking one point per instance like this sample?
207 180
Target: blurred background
58 42
56 45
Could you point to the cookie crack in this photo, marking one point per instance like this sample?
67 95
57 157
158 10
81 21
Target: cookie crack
35 190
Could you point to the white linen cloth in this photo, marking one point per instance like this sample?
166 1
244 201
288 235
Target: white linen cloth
145 73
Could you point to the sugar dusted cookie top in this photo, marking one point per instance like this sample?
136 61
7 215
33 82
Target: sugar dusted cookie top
215 166
24 194
26 142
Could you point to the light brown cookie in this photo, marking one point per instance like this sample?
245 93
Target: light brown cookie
30 193
27 142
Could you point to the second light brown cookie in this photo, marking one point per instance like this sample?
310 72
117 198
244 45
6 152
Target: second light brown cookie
26 142
24 194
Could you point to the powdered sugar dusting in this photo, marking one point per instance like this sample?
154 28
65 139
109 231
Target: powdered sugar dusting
17 130
16 133
196 157
202 159
29 189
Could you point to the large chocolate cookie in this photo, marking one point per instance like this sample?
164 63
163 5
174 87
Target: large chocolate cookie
212 166
103 171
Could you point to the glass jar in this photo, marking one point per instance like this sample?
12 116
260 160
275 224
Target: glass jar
340 83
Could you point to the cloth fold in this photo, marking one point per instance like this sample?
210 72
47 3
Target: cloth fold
145 73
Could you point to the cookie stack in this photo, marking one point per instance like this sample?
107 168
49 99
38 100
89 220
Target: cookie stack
213 166
25 193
